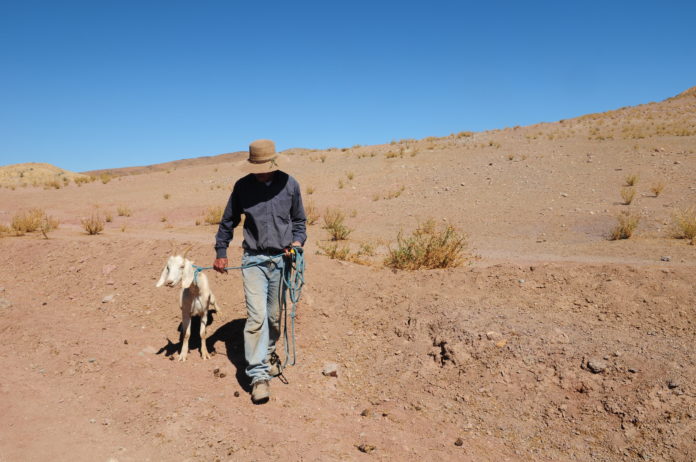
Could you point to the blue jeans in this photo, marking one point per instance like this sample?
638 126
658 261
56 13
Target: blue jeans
263 296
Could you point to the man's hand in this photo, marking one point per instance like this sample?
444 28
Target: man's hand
220 265
288 249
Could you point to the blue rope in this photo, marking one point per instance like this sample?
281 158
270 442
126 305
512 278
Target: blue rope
292 281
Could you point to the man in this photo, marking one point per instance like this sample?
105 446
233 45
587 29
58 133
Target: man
274 221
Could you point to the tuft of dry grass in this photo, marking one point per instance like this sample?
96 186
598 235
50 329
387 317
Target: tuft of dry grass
312 213
340 183
33 220
310 190
627 223
395 193
213 214
428 248
108 217
631 179
94 224
105 178
333 223
167 195
684 224
123 211
4 230
627 194
335 252
350 175
657 188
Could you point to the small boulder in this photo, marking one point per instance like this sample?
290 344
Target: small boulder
330 370
459 442
493 335
108 299
597 366
366 448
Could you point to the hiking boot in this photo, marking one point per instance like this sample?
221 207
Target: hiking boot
260 392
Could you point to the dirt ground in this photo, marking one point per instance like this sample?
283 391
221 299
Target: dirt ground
552 343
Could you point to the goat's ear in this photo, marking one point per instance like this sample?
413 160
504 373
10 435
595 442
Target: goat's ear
163 276
187 278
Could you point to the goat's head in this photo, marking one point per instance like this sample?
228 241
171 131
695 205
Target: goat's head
178 268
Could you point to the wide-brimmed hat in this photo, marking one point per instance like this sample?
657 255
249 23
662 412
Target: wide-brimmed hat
263 158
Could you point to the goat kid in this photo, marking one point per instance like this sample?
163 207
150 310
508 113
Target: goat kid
196 298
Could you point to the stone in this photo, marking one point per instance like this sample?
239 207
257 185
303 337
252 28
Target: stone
665 258
5 303
366 413
459 442
330 370
672 384
236 394
596 366
493 335
366 448
108 298
106 269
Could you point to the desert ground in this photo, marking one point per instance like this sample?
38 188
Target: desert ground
550 343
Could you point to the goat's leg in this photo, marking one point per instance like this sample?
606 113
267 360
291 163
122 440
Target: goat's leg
186 332
204 347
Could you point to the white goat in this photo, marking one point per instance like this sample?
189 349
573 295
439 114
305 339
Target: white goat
196 299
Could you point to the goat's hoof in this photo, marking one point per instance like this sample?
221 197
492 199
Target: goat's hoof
182 358
205 356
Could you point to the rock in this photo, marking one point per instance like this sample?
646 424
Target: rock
564 194
366 413
366 448
459 442
665 258
672 384
106 269
5 303
596 366
125 342
493 335
108 298
330 370
236 394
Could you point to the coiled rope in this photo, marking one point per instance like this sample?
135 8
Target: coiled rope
292 281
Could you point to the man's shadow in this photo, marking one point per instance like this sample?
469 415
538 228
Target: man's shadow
231 334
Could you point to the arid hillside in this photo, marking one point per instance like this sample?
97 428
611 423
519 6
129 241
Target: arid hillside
552 342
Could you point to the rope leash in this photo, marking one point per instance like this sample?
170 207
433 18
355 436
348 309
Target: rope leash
292 280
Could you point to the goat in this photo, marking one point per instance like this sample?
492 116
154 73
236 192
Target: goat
196 298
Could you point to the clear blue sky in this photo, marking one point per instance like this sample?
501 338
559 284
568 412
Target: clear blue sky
98 84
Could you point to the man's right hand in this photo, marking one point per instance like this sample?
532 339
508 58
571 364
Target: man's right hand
220 265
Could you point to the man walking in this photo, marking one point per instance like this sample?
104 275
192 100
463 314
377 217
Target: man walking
274 221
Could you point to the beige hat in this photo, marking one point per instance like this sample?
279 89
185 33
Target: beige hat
263 158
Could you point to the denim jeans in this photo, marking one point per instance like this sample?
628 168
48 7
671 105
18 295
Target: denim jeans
263 297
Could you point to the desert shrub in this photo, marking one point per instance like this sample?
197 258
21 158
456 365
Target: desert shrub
167 195
335 252
4 230
464 134
631 179
310 190
428 248
123 211
108 217
32 220
657 188
627 223
333 223
340 183
55 184
94 224
350 175
312 213
105 178
627 194
213 214
684 224
395 193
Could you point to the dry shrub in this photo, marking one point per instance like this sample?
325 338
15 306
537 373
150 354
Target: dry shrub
657 188
213 214
350 175
627 223
627 194
167 195
55 184
4 230
684 224
105 178
428 248
631 179
310 190
335 252
333 223
32 220
312 213
108 217
123 211
94 224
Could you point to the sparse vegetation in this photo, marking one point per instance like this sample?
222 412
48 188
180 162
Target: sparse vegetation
123 211
684 224
340 183
310 190
333 223
213 214
163 219
167 195
627 194
94 224
33 220
395 193
657 188
335 252
627 223
322 157
428 248
350 175
312 213
631 179
105 178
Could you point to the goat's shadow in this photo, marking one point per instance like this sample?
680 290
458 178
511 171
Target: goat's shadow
231 334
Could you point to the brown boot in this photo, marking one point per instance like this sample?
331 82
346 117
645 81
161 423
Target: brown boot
260 392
